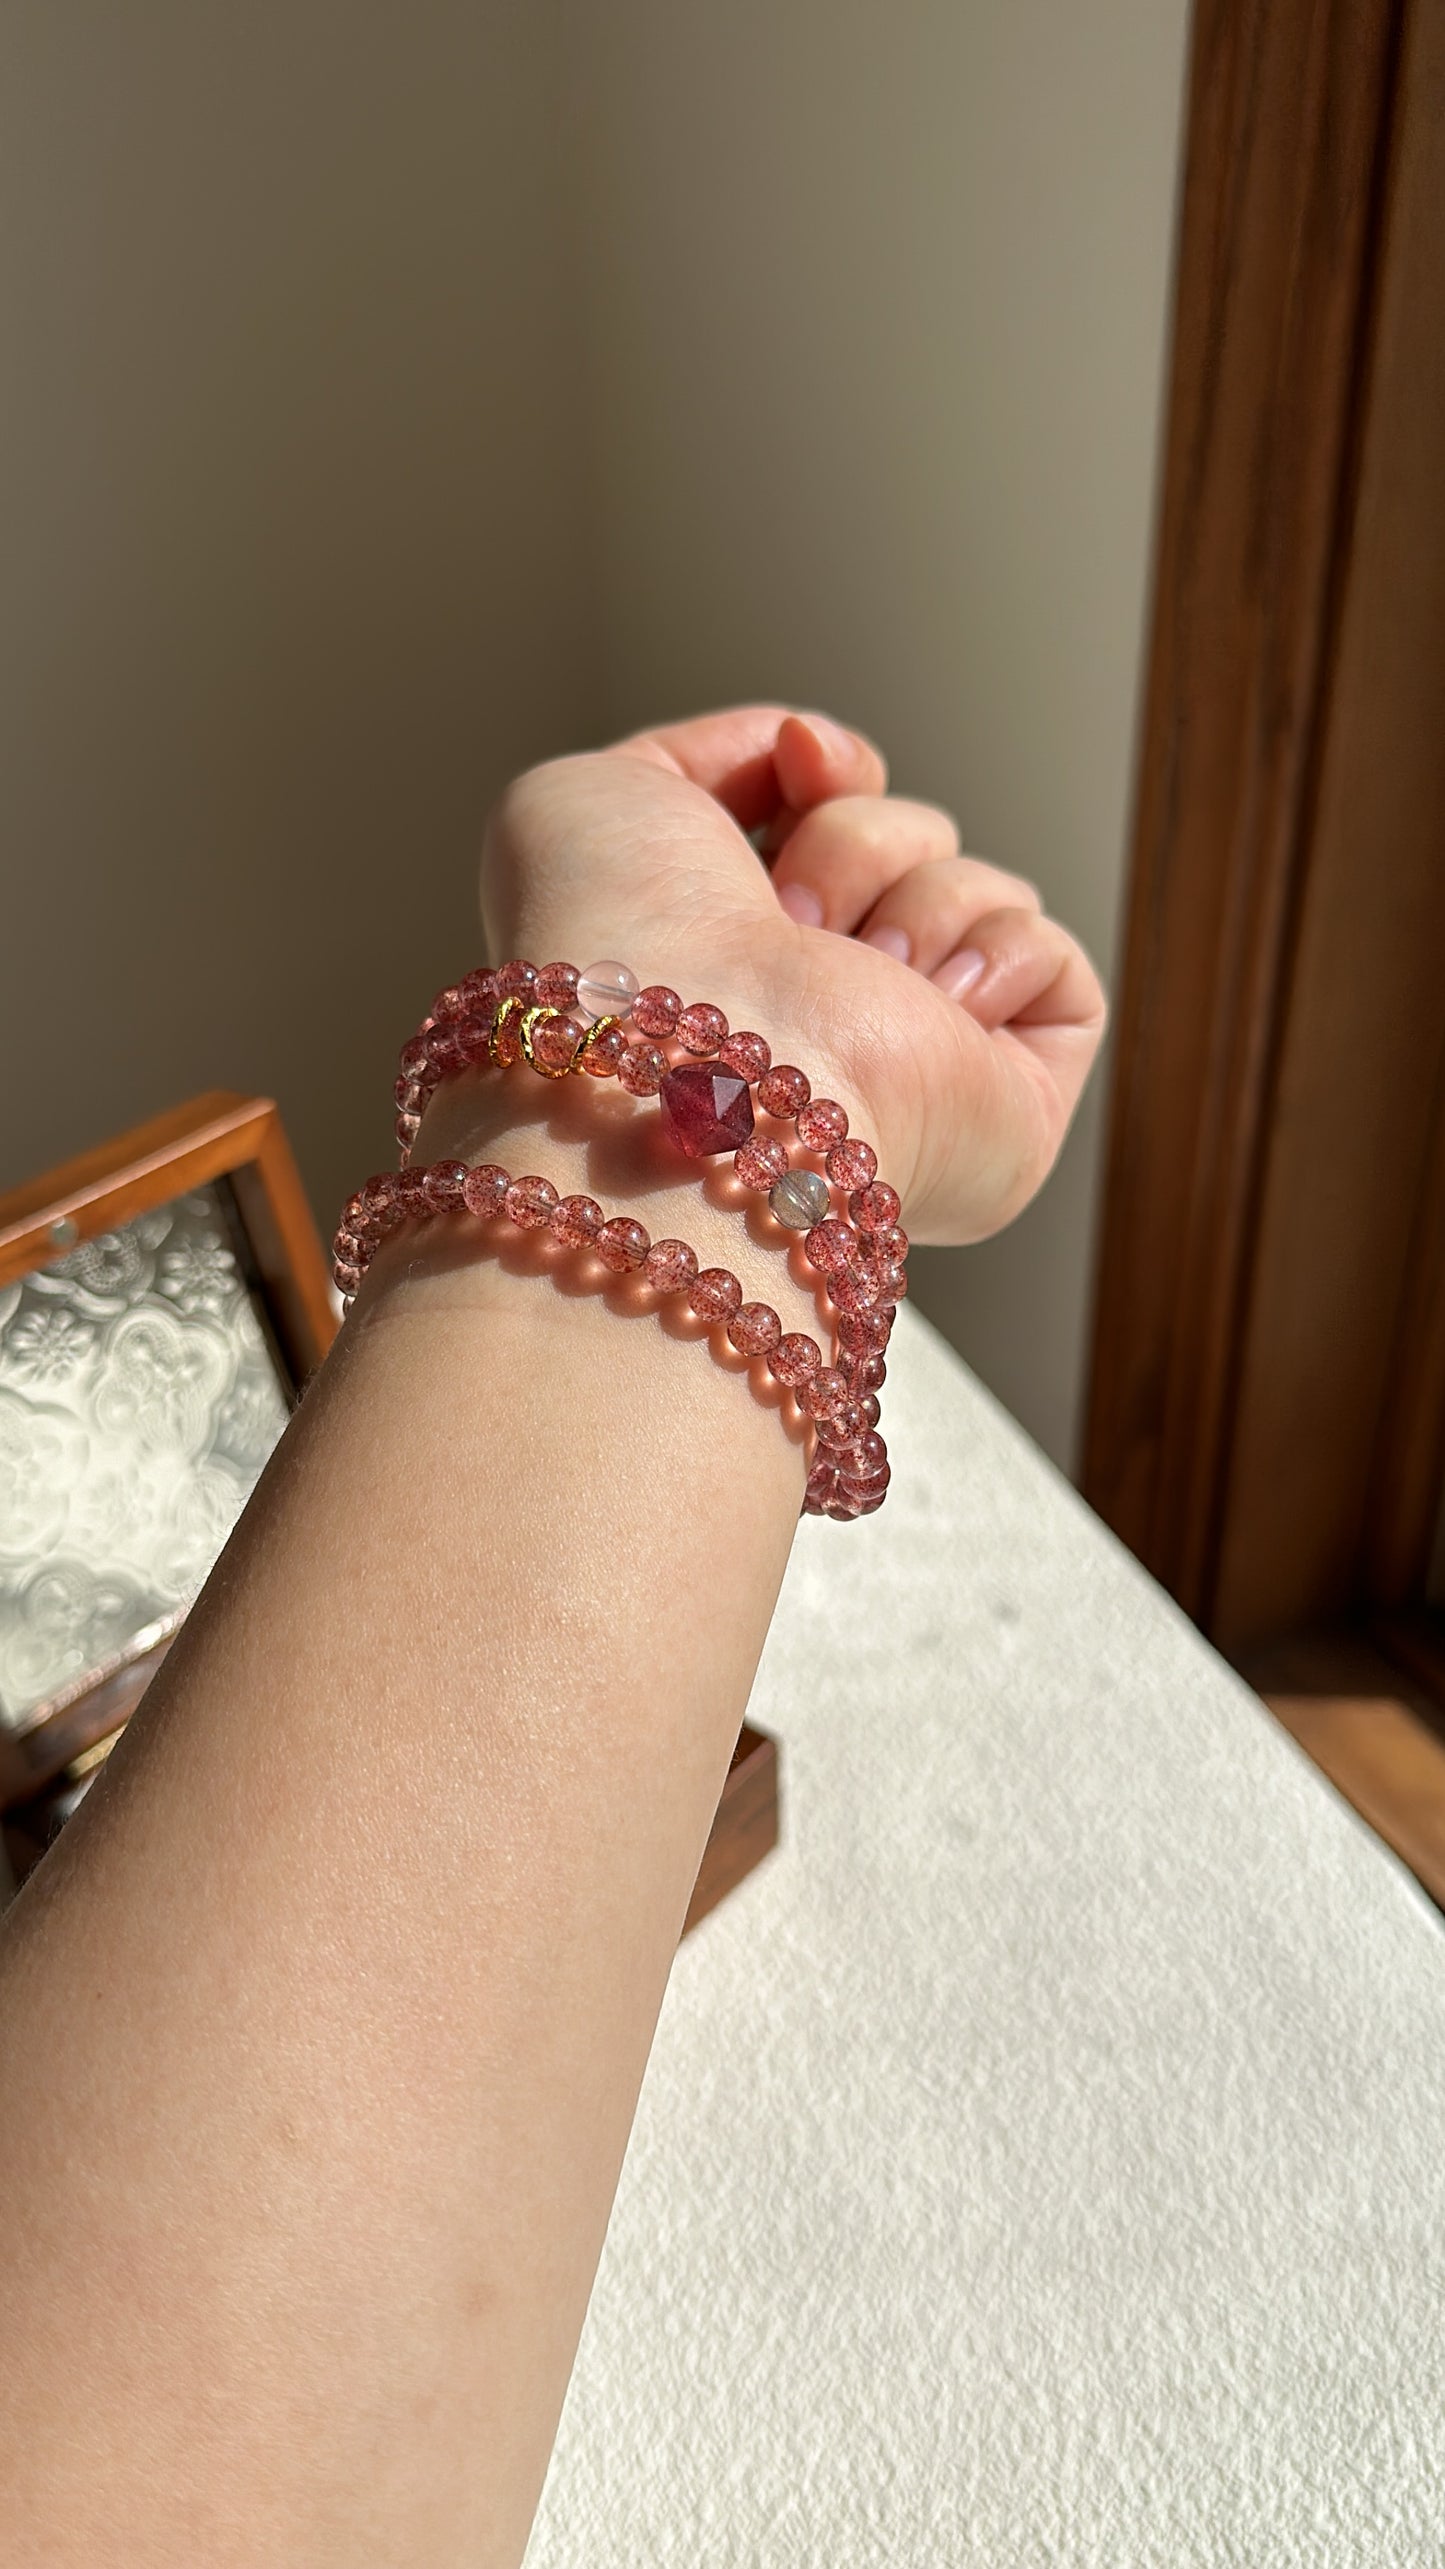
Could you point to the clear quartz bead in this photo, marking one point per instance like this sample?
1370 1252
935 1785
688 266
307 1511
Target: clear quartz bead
800 1199
606 990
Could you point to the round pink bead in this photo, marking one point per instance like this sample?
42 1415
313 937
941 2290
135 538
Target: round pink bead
345 1278
670 1265
830 1243
603 1054
479 989
448 1003
795 1357
642 1070
875 1207
761 1162
557 985
474 1037
407 1128
414 1057
852 1289
483 1190
715 1294
517 979
864 1332
444 1181
869 1455
356 1213
443 1052
622 1244
576 1221
755 1329
865 1370
412 1199
379 1195
701 1028
822 1123
844 1427
656 1010
529 1202
784 1090
823 1392
851 1164
893 1243
747 1054
866 1485
555 1041
869 1406
407 1093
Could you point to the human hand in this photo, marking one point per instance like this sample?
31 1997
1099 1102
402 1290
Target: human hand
924 988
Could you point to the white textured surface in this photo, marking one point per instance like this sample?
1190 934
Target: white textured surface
1042 2157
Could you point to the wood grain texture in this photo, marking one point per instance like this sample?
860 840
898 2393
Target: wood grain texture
1290 126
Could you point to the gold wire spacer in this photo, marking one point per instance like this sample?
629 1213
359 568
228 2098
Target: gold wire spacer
590 1038
530 1021
512 1000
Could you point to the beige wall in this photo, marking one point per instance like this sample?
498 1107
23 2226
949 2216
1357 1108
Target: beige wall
291 504
395 395
876 293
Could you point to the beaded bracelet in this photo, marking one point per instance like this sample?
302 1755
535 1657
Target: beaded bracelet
521 1013
849 1473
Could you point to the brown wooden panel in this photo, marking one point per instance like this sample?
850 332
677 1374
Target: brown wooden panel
1287 156
1348 1232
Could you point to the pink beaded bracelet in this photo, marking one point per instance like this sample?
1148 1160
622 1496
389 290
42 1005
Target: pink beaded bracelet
560 1021
849 1473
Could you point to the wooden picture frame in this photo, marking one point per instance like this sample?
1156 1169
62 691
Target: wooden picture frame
236 1147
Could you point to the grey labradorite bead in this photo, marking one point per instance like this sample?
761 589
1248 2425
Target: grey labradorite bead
800 1199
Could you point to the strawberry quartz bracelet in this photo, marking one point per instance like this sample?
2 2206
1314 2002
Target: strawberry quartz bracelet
561 1022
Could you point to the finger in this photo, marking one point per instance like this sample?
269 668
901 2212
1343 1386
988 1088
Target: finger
929 912
843 853
1021 970
753 759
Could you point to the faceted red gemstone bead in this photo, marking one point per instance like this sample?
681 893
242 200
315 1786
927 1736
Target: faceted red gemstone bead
761 1162
783 1090
851 1164
414 1057
576 1221
706 1109
794 1358
823 1392
656 1010
557 985
822 1123
642 1069
605 1051
622 1244
755 1329
715 1294
444 1181
670 1264
517 979
831 1243
747 1054
700 1029
555 1041
483 1190
529 1202
875 1207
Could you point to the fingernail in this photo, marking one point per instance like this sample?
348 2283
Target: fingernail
801 904
960 972
830 736
894 941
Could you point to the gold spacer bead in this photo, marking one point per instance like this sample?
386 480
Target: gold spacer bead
590 1038
512 1000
